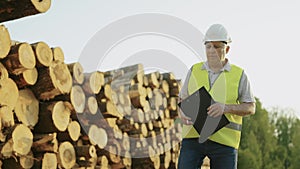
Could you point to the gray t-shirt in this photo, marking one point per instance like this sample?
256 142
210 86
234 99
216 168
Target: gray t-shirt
245 92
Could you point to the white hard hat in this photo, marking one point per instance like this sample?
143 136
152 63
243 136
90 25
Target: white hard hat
217 32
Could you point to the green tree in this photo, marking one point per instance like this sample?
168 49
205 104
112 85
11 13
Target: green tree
295 145
285 122
270 140
253 152
247 159
258 137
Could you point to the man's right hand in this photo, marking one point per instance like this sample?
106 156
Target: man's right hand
185 119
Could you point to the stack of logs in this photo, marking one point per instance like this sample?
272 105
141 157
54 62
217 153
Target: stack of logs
54 115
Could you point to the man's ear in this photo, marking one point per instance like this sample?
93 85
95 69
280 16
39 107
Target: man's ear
227 49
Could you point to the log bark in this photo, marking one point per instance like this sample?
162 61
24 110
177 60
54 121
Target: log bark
139 101
137 90
174 87
4 41
23 162
45 143
168 76
53 81
76 97
27 108
72 134
108 109
85 155
14 9
172 103
54 115
76 71
20 58
93 82
152 80
112 151
105 93
127 126
26 78
43 54
141 163
66 155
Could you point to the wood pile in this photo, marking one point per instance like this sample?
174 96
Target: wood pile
55 115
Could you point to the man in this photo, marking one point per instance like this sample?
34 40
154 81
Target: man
230 88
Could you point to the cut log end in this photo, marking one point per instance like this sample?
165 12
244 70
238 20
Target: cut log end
92 105
66 155
76 71
22 139
96 81
30 76
7 149
27 161
4 41
77 98
41 5
61 115
27 108
9 93
43 54
98 136
58 54
7 116
49 161
61 77
74 130
26 56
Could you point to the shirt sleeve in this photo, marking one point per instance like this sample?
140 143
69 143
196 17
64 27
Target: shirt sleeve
184 93
245 91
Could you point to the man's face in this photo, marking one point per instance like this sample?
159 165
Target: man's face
216 51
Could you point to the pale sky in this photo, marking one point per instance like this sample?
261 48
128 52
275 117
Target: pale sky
264 34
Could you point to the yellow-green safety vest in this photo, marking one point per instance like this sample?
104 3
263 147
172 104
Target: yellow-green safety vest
224 90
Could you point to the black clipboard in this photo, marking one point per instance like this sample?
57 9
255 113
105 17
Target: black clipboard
195 106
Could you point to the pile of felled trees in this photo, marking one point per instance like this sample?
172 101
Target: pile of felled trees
55 115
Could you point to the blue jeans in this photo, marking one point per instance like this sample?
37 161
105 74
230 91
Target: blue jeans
192 154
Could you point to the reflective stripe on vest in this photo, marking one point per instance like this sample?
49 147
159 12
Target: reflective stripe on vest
224 90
